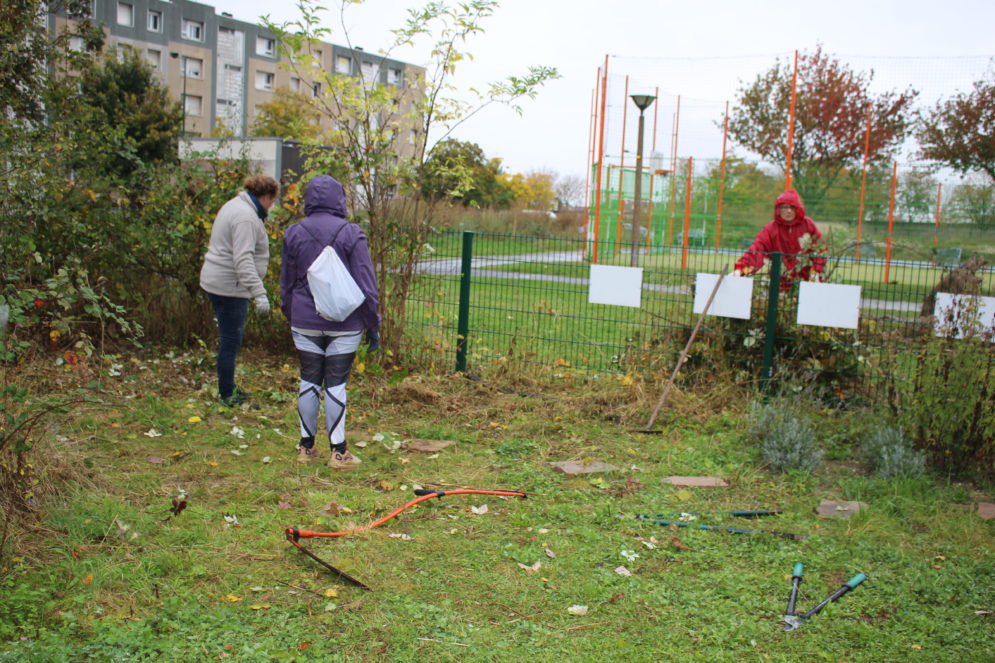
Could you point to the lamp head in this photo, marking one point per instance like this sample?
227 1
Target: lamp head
642 101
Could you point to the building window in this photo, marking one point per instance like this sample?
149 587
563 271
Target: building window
155 21
77 44
193 104
393 77
265 46
154 57
125 14
193 30
316 89
343 65
317 59
264 80
193 67
370 71
295 84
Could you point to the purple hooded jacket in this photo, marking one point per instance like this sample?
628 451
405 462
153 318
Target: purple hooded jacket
324 206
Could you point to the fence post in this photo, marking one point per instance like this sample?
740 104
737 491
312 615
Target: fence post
463 321
773 292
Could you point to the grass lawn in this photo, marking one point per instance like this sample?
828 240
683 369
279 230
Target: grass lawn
105 572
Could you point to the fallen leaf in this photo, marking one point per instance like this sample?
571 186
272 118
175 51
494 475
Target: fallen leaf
622 571
579 610
155 460
260 606
630 555
87 579
675 542
984 613
283 506
211 463
304 646
257 589
400 535
233 598
550 554
479 510
386 486
331 593
530 569
152 433
683 495
267 459
330 509
194 419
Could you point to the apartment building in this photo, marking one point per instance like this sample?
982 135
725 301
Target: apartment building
221 68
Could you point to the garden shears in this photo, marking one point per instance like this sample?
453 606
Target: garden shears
794 621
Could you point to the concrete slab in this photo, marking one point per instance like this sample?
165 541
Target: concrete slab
427 446
573 468
834 509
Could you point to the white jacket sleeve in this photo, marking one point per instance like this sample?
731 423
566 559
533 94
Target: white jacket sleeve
243 248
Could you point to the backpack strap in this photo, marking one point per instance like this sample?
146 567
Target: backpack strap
334 237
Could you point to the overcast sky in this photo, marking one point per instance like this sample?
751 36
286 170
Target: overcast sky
699 50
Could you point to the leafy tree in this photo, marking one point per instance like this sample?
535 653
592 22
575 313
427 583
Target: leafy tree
125 93
289 116
28 50
380 132
916 197
974 201
960 132
832 103
458 171
533 190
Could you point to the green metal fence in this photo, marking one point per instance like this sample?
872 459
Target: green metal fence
482 300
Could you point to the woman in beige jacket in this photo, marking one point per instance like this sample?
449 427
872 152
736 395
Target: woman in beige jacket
233 271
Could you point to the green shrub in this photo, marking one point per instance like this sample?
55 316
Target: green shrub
946 402
787 437
888 453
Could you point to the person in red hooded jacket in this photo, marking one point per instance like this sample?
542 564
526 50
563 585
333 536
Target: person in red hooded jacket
792 234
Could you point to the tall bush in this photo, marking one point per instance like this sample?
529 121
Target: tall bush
946 398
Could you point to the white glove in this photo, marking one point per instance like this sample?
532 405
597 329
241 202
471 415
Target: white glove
262 305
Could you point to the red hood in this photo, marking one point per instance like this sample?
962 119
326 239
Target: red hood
790 197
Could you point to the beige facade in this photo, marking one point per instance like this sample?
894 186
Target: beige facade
231 67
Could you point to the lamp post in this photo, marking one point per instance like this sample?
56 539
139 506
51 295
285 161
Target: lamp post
642 102
183 95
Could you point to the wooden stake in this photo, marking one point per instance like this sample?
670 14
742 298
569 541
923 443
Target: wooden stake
684 353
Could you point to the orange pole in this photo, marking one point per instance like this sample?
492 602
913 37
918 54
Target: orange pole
939 189
791 124
619 233
891 220
673 172
863 183
601 162
687 216
722 179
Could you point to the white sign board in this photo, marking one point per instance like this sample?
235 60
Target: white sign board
621 286
959 313
732 299
829 305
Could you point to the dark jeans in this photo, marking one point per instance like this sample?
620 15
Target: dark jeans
230 313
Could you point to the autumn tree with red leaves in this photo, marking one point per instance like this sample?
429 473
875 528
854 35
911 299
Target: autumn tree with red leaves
831 108
960 132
